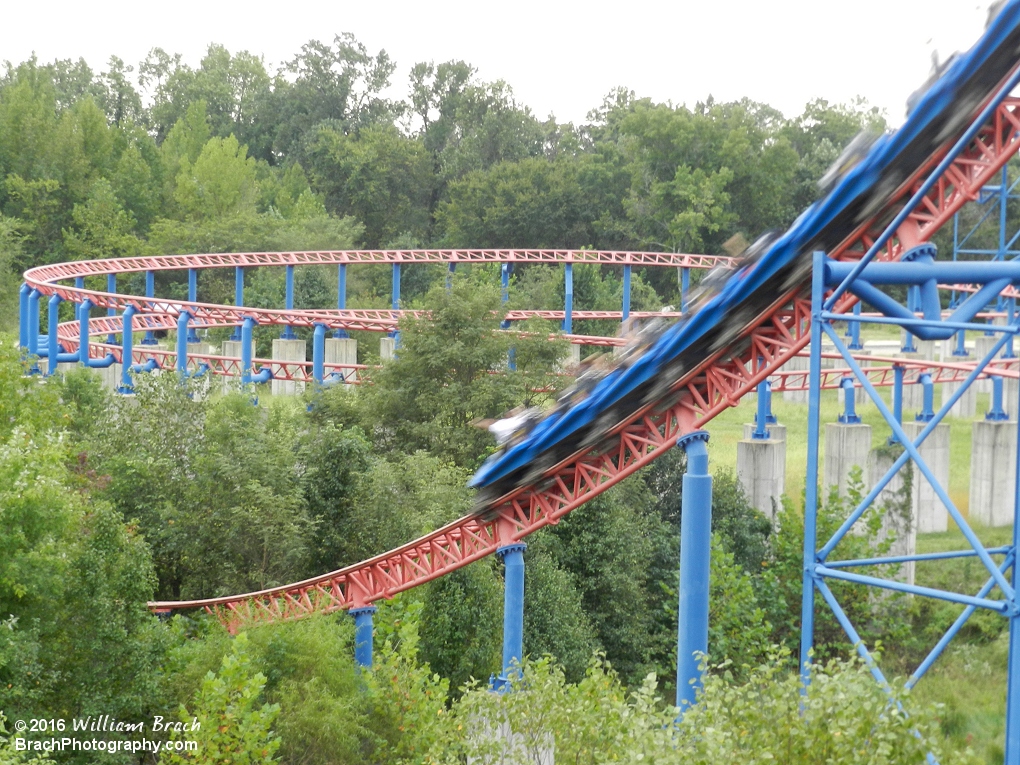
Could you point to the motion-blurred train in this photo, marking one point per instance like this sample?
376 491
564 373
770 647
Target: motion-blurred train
858 188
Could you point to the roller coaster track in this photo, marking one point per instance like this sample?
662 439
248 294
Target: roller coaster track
763 346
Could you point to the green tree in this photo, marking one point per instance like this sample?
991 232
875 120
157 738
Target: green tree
220 183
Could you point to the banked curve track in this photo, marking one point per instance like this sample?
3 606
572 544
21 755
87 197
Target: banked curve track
719 382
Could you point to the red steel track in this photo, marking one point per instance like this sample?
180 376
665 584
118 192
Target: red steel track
778 334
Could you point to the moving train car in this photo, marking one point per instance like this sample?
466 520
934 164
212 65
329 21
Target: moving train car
941 111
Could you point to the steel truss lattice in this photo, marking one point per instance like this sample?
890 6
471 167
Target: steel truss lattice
999 562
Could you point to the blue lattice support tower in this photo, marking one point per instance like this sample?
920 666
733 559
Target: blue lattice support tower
695 565
363 635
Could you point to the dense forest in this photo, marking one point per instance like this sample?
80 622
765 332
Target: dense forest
179 491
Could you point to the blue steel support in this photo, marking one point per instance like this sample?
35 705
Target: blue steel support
238 298
695 560
363 629
568 299
763 417
685 288
395 304
79 283
908 343
1010 315
449 274
961 347
23 309
341 296
150 291
849 416
513 611
83 339
854 330
52 345
897 398
264 375
182 343
927 413
504 294
807 609
288 331
192 298
319 353
111 287
626 293
33 326
1013 670
127 340
996 413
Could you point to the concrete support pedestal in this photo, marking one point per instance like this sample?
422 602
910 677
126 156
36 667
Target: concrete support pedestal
899 524
287 350
387 348
761 470
929 512
966 407
846 446
342 351
1010 393
993 472
232 348
111 376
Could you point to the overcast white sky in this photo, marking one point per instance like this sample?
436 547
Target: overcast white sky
560 57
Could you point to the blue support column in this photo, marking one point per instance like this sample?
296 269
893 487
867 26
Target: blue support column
897 398
238 298
695 563
33 327
288 331
396 299
685 288
363 628
182 343
127 340
341 296
763 417
192 298
1013 667
111 287
319 353
568 298
247 376
626 293
996 413
961 348
52 345
908 345
23 313
79 283
83 331
807 607
1008 353
504 280
449 274
854 330
513 611
150 291
849 416
927 413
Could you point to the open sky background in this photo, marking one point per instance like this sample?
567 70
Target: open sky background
561 57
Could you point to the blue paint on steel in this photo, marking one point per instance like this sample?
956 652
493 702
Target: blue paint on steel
807 607
449 274
247 376
127 342
111 287
150 291
235 336
79 283
916 557
890 307
1010 318
914 589
513 611
927 413
52 346
695 560
855 638
568 298
182 343
288 330
849 416
935 652
319 353
363 629
504 293
996 413
910 452
33 326
685 288
961 348
83 340
1013 671
626 293
192 298
854 330
764 413
23 313
341 296
395 303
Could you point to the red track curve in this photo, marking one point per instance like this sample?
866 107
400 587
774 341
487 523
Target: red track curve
781 332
